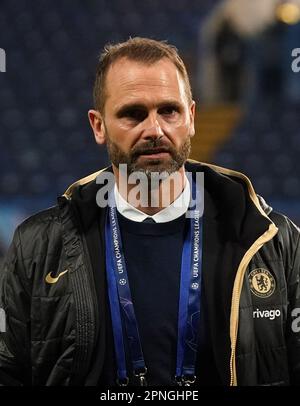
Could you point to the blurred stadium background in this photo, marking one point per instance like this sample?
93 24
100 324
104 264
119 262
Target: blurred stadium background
238 53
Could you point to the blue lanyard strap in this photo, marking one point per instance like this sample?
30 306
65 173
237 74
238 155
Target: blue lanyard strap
120 298
115 308
190 300
121 304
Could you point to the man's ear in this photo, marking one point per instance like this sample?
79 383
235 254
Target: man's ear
192 112
97 125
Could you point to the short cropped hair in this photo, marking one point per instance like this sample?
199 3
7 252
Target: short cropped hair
144 50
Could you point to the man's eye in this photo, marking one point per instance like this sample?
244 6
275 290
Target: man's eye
168 110
136 114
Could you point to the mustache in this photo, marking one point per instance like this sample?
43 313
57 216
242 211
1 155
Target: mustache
151 147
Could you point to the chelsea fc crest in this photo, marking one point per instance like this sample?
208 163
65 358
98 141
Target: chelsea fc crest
262 283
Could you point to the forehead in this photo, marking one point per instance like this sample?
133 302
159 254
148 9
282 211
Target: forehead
129 80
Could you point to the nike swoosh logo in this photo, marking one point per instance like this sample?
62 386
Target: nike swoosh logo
51 280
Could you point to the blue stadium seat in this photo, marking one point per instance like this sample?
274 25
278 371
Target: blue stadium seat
266 147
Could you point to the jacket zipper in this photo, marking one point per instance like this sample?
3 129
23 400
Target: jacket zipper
237 289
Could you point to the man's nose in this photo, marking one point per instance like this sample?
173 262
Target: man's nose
152 127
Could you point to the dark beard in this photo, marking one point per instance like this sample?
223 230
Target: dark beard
173 164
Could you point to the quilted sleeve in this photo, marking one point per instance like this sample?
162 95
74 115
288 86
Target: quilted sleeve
14 319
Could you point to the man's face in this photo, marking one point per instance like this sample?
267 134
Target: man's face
147 121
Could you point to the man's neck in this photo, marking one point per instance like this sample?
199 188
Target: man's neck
150 195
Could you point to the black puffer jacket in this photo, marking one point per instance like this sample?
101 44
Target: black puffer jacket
251 268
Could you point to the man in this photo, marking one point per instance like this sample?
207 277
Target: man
136 291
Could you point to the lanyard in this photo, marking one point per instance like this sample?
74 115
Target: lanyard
122 309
